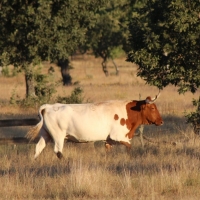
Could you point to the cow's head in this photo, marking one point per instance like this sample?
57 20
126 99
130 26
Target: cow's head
150 113
143 112
140 112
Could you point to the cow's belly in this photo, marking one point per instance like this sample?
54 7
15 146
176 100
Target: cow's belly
88 131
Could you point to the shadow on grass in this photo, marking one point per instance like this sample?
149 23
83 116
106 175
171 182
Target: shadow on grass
172 125
41 171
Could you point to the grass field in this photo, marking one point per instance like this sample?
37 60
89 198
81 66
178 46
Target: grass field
157 171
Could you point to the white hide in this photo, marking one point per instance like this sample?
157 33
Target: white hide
85 122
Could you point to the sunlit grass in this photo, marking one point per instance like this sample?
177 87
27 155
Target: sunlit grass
155 172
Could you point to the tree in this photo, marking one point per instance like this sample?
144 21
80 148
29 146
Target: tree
34 31
110 32
165 43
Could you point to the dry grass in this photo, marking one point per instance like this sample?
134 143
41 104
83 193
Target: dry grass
153 172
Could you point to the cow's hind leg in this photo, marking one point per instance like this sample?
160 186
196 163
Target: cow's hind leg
108 146
109 143
44 138
58 146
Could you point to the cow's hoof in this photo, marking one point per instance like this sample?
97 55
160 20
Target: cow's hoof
59 155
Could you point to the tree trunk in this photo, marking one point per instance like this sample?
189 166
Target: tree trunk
65 67
104 67
29 79
116 68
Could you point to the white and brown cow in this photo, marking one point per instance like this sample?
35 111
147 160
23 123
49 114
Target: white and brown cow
107 121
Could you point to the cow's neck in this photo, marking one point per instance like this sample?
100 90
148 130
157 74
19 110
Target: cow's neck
143 118
135 118
134 126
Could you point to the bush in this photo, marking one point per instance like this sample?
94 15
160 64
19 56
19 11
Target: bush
45 88
75 97
194 117
5 71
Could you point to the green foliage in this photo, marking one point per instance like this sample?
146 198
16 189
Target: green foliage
31 101
14 98
110 31
5 71
117 52
44 87
194 117
164 40
75 97
9 72
35 31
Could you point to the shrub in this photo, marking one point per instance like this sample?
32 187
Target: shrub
75 97
5 71
194 117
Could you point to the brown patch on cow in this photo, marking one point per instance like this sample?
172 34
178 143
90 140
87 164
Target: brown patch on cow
134 117
128 124
134 106
116 117
138 112
122 121
130 134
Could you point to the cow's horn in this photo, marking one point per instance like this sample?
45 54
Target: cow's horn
148 100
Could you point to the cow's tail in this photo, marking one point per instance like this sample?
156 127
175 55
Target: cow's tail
34 131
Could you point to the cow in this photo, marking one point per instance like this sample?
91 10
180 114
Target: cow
110 121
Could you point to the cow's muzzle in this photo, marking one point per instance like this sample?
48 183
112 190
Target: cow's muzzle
159 123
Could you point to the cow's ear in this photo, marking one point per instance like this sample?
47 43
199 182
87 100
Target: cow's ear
148 100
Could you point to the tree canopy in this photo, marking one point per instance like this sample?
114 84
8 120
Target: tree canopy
163 35
34 31
109 32
165 42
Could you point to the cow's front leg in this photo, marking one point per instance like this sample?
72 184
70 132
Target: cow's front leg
127 145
